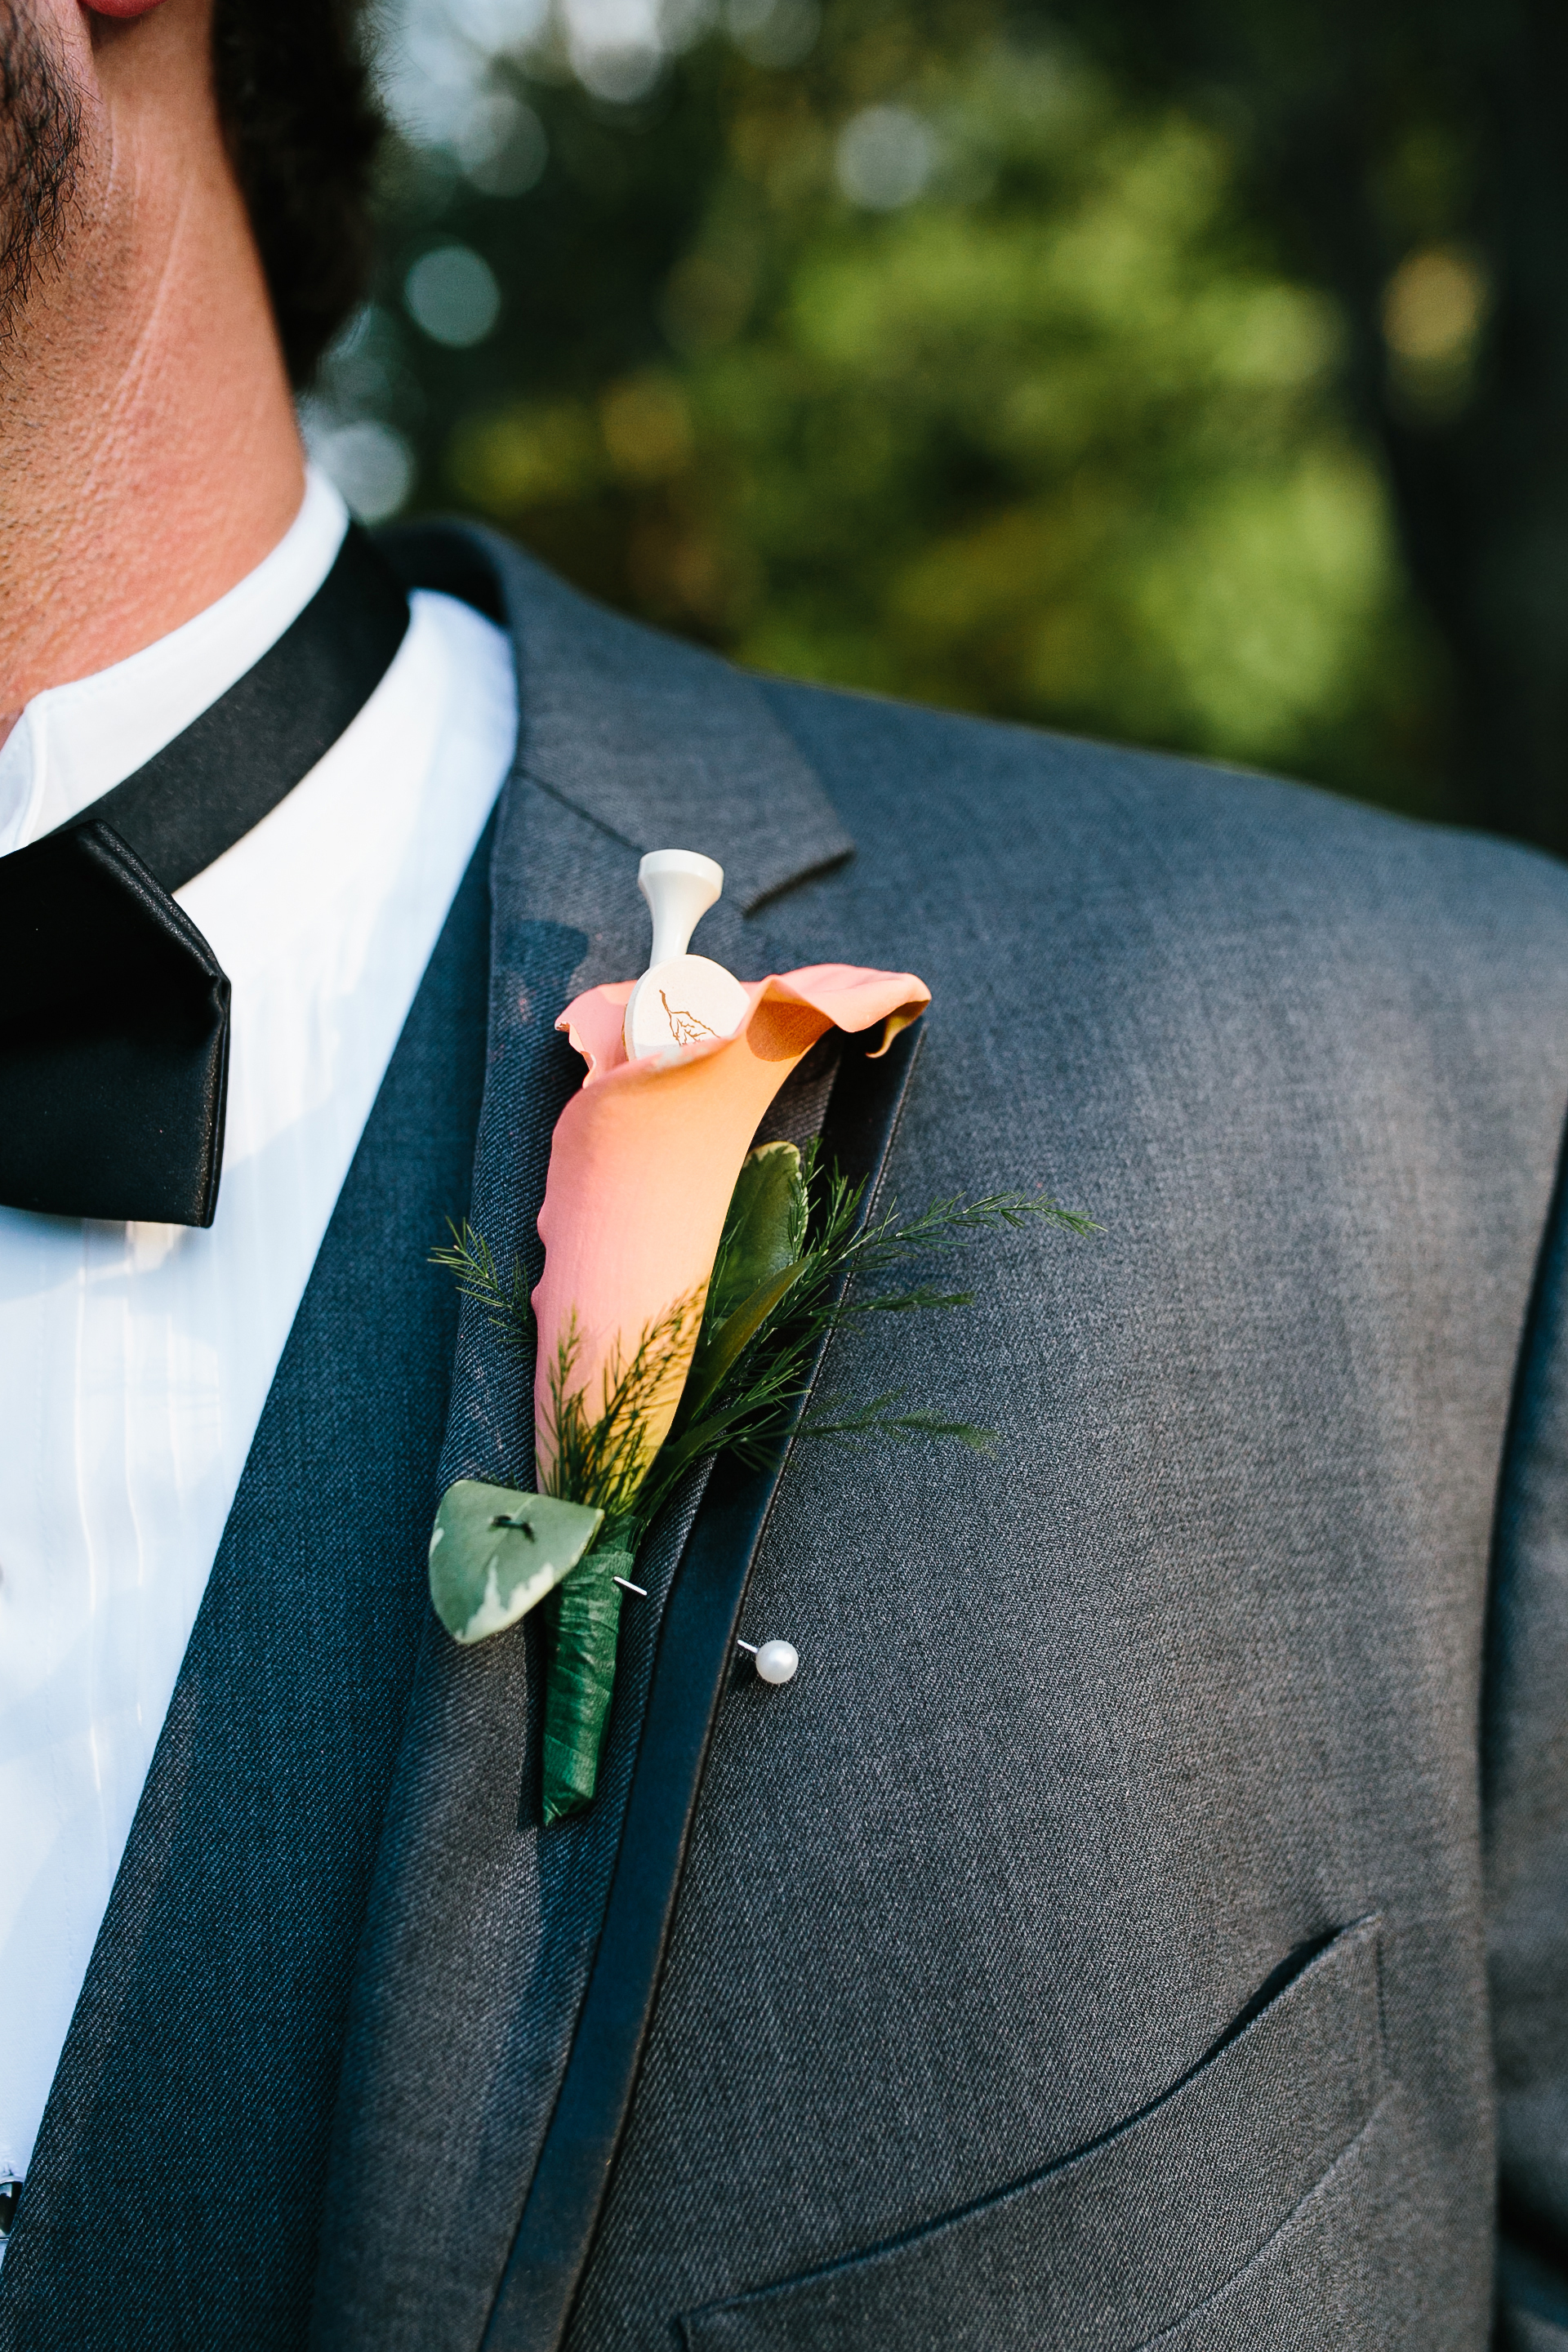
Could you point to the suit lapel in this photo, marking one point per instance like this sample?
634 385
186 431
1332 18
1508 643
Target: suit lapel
647 738
481 1931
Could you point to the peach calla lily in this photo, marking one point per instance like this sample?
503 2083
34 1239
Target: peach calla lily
643 1163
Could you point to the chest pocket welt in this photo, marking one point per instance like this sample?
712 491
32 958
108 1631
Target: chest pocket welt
1144 2232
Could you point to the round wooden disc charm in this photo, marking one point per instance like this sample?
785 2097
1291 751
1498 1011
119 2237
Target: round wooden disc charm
689 1001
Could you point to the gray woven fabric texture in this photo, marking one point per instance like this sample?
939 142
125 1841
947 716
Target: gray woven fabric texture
1087 2253
1086 1741
1526 1786
648 737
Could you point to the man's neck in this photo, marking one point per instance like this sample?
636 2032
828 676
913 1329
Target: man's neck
149 457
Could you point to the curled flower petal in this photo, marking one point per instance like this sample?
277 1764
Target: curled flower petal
643 1159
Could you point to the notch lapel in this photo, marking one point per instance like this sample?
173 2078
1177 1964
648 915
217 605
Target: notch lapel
652 741
481 1930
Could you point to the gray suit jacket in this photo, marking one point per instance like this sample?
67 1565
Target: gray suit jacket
1144 1920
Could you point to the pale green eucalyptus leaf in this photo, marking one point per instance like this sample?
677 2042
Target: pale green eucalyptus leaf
495 1553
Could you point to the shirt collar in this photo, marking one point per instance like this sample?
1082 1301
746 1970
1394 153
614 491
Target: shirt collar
74 742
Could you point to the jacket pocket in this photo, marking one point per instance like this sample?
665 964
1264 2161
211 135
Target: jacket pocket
1112 2248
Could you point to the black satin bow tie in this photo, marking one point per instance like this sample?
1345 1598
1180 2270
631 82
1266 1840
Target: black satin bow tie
113 1009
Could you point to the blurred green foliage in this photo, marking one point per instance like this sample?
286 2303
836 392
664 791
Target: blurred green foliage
933 362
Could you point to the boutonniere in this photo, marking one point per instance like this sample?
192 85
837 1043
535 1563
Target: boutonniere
688 1280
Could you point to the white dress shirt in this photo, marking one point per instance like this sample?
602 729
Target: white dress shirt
136 1359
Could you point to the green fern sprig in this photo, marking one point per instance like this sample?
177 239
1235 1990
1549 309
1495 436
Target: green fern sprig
504 1304
878 1418
604 1460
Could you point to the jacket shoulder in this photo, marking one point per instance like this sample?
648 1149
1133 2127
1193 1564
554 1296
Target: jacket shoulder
1041 804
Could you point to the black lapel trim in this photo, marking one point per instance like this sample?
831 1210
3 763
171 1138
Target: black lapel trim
247 751
696 1653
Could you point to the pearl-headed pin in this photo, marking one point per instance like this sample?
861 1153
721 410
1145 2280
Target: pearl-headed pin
776 1661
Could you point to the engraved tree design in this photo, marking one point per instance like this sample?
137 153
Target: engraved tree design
684 1027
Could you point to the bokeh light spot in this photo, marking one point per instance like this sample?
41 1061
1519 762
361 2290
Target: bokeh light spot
1432 307
885 158
452 295
502 146
371 463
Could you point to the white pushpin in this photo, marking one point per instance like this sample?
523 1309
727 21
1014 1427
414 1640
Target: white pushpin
776 1661
681 999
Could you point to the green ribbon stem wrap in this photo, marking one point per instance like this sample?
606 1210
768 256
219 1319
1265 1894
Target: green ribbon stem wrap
583 1623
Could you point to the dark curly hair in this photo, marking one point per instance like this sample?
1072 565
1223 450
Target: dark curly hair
297 103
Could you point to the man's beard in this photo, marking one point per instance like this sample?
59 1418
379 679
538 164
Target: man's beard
40 138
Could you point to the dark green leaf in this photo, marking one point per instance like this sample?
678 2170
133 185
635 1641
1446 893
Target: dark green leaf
765 1226
718 1349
